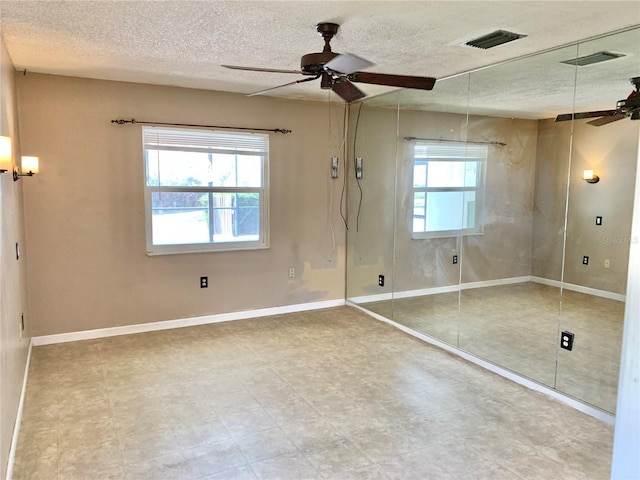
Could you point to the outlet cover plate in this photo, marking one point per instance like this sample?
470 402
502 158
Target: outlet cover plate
566 340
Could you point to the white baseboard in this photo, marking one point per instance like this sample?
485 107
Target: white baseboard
436 290
494 283
426 291
503 372
580 289
379 297
183 322
16 426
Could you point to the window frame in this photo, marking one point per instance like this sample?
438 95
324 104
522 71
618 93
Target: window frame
178 248
479 189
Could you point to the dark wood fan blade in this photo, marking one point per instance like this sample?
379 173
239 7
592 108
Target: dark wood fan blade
348 91
283 85
258 69
608 119
581 115
404 81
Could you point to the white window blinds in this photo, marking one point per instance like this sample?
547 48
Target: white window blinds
204 140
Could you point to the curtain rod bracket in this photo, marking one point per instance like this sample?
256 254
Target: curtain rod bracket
122 121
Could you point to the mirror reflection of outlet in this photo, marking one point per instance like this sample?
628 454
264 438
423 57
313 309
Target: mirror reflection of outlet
566 340
607 263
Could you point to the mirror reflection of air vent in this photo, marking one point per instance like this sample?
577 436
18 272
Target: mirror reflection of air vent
494 39
593 58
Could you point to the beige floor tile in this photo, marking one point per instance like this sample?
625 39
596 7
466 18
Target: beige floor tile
212 458
305 432
246 422
245 472
89 461
378 443
86 433
326 394
291 466
266 444
30 466
167 467
412 467
38 443
193 434
232 402
292 411
370 472
147 445
213 384
335 458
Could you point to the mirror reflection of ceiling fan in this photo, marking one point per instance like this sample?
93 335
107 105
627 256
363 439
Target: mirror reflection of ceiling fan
629 107
339 72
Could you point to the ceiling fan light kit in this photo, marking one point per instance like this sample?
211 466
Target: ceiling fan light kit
339 72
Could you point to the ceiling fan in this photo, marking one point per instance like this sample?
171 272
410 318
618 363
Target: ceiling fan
339 72
629 107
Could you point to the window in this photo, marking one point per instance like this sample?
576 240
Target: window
205 190
448 187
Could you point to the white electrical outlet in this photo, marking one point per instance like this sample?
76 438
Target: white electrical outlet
607 263
292 272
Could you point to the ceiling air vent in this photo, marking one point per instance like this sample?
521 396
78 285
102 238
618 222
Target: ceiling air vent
593 58
494 39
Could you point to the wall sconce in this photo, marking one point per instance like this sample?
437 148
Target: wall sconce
5 154
589 177
29 168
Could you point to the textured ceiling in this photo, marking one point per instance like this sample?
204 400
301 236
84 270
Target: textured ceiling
184 43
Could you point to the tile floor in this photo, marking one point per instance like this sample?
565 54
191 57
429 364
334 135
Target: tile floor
495 323
328 394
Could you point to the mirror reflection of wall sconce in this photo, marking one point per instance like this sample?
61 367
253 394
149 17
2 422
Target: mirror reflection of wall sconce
589 177
5 154
29 168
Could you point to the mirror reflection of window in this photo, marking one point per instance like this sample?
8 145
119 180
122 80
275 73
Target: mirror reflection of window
447 188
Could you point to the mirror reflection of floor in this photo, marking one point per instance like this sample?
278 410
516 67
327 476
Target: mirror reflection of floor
517 326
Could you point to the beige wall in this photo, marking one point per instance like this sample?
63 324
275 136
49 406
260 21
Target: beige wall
610 151
371 204
525 203
550 199
85 210
503 250
13 296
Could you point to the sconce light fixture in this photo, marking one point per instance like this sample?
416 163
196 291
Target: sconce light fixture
5 154
589 177
29 168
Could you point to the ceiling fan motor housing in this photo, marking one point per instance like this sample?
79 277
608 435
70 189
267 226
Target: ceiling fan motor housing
629 104
314 62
